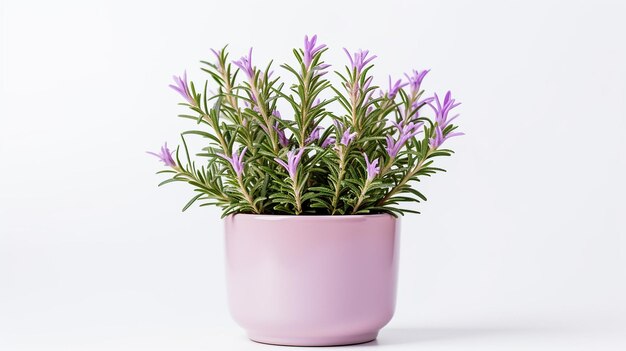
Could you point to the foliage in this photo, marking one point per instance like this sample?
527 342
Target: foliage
316 161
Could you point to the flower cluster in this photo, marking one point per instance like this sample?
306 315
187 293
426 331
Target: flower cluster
358 150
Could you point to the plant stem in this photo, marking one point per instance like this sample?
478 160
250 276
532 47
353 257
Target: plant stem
304 111
231 99
406 178
266 118
340 176
353 94
362 195
219 135
387 166
407 109
297 198
244 192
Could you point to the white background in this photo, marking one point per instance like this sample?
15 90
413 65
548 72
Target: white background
522 244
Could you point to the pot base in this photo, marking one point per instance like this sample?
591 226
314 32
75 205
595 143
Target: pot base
313 341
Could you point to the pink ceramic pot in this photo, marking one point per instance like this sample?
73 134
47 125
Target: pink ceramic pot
312 280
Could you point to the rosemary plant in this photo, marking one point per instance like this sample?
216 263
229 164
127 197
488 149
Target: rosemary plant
348 148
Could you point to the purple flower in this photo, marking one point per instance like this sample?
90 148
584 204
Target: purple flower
442 109
440 138
165 156
319 69
245 64
415 81
182 87
400 126
236 161
347 137
282 138
372 168
328 141
359 59
310 50
393 89
315 134
367 84
291 165
406 132
391 146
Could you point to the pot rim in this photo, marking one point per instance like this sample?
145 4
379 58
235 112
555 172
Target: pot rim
310 217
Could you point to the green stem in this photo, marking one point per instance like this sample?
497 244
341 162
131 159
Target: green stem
387 166
362 195
340 176
355 121
231 99
219 135
407 109
304 109
405 179
246 195
298 198
266 118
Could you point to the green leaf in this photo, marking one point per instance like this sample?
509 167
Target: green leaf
193 199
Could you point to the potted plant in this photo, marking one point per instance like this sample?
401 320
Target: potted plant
311 179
